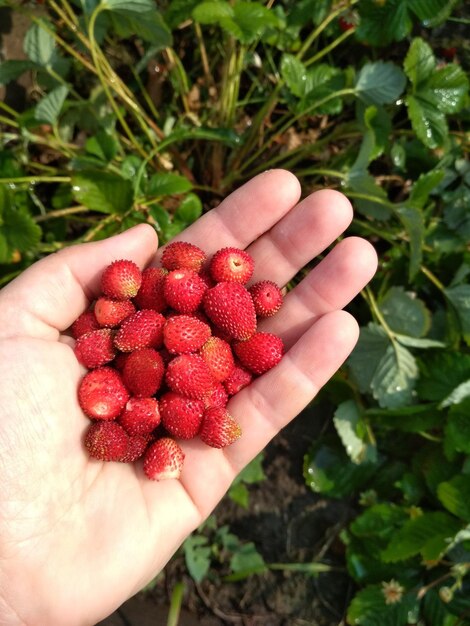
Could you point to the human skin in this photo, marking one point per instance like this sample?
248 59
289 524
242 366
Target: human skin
79 536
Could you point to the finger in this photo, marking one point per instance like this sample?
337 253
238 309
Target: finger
246 213
330 286
51 294
267 405
301 235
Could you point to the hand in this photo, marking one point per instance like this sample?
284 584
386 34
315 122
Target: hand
78 536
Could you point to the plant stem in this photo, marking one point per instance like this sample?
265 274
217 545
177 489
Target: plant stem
432 278
62 213
9 122
175 605
378 314
35 179
329 48
8 109
321 172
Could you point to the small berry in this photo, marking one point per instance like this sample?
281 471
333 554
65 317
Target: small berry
184 290
111 313
136 446
102 394
120 360
106 441
231 265
229 306
189 376
182 255
183 334
150 294
85 323
267 298
238 380
219 429
216 398
163 459
96 348
260 352
143 329
143 372
181 416
218 355
121 280
140 416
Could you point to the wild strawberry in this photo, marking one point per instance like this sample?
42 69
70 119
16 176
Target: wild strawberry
183 334
143 329
181 416
182 255
267 298
231 265
229 305
216 398
136 446
120 360
150 294
121 280
218 428
218 355
96 348
207 278
102 394
143 372
106 441
111 313
163 459
260 352
85 323
189 376
140 416
184 290
238 380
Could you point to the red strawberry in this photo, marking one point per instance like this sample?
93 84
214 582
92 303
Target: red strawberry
102 394
229 305
150 294
143 372
183 334
231 265
217 353
189 375
260 352
238 380
111 313
96 348
219 429
140 416
181 416
120 360
267 298
136 446
121 280
143 329
85 323
207 278
182 255
184 290
106 441
216 398
163 459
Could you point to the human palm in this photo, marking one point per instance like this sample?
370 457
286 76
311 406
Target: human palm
78 536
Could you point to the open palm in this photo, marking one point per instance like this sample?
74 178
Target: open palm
78 536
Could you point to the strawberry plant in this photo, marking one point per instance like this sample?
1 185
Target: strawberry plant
139 111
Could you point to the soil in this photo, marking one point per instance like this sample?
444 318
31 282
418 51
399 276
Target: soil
288 523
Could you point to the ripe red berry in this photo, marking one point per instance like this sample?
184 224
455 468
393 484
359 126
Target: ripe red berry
163 459
150 294
111 313
85 323
181 416
183 334
238 380
102 394
143 372
218 428
136 446
189 376
218 355
121 280
140 416
184 290
231 265
143 329
96 348
182 255
229 306
260 352
106 441
216 398
267 298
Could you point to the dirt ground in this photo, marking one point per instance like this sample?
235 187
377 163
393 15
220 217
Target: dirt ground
289 524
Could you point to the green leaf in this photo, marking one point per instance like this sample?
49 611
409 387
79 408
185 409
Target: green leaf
419 62
429 535
20 230
102 191
360 181
197 554
382 23
167 184
404 313
294 73
322 82
456 213
380 83
435 611
251 20
432 12
212 12
240 495
190 209
39 45
457 395
49 108
457 430
455 496
413 221
253 472
149 25
413 419
441 374
380 520
246 557
11 70
418 342
179 11
449 85
102 145
427 121
423 186
369 608
129 6
367 355
459 297
348 423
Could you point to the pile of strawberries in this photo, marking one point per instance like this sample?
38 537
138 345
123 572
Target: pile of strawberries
166 348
